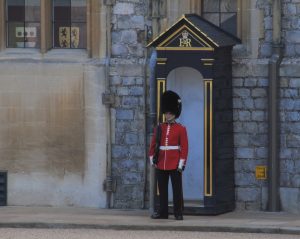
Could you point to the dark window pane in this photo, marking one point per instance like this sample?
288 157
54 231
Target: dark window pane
78 13
62 34
62 10
213 18
15 10
229 22
211 5
15 34
32 35
78 35
32 10
228 6
222 13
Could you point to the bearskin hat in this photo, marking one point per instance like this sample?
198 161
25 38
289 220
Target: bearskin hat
171 102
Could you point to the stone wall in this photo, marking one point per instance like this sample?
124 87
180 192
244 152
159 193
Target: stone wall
127 75
250 84
250 103
290 135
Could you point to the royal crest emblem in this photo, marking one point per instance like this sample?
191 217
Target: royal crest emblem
69 39
185 41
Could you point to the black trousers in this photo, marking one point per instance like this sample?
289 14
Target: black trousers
163 182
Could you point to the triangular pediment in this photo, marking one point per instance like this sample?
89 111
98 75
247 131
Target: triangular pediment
185 37
192 32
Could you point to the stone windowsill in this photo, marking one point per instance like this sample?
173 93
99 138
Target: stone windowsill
68 55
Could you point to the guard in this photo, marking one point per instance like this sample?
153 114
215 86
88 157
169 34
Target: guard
171 154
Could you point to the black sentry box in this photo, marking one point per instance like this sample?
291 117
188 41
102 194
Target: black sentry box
3 188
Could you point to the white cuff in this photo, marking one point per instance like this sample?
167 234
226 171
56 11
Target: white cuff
151 160
181 163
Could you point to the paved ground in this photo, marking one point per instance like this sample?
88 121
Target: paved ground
87 218
21 233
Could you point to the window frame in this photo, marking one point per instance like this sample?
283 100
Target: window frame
2 25
7 22
238 15
93 21
69 22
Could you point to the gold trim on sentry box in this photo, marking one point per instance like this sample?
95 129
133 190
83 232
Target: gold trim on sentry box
161 87
208 138
162 44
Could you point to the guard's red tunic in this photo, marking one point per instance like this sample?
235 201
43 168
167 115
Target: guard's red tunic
173 134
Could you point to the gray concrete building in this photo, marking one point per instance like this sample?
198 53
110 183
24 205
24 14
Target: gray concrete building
75 99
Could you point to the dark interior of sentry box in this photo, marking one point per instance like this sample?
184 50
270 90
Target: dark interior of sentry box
3 188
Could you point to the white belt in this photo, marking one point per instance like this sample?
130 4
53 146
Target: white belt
169 147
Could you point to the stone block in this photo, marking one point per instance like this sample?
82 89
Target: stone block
115 80
245 153
241 140
120 151
136 50
296 181
131 22
250 127
122 91
292 116
236 82
137 151
131 138
285 153
290 199
295 82
262 152
262 82
122 8
130 101
116 37
243 93
129 37
289 93
129 70
248 103
136 91
266 50
293 140
259 140
250 82
268 23
289 9
132 178
259 92
245 179
262 127
293 36
128 81
260 103
287 166
244 115
287 104
237 103
248 194
258 115
119 50
122 114
290 50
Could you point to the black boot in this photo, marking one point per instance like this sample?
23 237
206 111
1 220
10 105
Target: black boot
178 217
157 215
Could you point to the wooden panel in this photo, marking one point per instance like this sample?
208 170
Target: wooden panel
46 33
2 24
93 27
